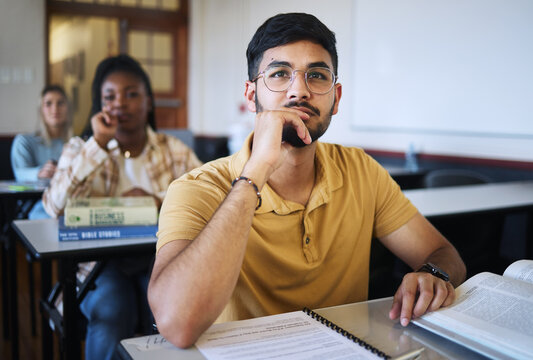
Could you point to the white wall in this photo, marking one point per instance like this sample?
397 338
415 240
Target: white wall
220 33
453 77
22 64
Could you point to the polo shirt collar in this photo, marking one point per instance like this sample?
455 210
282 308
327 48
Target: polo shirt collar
328 179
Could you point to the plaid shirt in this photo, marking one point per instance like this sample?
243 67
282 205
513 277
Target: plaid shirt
82 162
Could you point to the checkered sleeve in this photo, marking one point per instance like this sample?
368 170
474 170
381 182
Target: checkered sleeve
78 161
173 159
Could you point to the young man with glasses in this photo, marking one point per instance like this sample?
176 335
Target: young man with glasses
287 222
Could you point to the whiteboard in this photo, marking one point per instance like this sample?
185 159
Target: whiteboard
460 67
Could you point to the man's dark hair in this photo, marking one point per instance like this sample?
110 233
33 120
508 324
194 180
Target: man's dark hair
287 28
119 63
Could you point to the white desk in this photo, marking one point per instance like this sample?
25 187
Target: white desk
402 170
457 200
484 207
367 320
40 238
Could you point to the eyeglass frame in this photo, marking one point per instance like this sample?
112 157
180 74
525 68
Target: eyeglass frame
262 74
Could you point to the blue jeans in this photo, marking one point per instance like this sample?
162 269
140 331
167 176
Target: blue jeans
116 309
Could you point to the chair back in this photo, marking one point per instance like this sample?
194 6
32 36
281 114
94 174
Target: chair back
185 135
6 171
453 177
477 237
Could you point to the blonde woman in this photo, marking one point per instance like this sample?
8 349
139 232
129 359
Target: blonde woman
34 156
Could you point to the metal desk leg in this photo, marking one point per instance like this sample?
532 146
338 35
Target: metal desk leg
47 344
5 287
12 254
71 341
30 261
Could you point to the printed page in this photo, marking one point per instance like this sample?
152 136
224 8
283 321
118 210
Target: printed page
294 336
521 270
491 310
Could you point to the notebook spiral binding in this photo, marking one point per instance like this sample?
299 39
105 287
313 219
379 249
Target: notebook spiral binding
345 333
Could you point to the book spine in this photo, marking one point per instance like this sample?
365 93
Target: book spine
106 233
110 216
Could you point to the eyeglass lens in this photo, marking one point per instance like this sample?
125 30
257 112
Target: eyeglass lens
319 80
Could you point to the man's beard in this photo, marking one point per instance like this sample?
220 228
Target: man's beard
289 134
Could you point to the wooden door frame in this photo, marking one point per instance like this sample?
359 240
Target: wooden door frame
176 21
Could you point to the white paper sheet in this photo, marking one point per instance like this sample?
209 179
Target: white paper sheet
293 335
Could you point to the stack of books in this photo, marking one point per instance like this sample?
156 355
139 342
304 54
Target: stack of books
99 218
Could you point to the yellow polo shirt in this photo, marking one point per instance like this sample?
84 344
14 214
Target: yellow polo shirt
316 255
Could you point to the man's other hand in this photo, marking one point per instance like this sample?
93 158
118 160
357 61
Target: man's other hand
419 293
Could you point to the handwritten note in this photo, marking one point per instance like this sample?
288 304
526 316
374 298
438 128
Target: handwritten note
148 343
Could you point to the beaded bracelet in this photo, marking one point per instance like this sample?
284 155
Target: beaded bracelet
251 183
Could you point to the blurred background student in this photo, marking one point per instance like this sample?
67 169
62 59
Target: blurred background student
34 156
124 156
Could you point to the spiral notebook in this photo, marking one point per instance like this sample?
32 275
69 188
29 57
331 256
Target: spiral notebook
286 336
297 335
345 333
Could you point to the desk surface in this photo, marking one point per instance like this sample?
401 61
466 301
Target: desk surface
403 171
472 198
12 187
367 320
41 238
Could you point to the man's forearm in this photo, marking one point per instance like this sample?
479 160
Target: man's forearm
190 291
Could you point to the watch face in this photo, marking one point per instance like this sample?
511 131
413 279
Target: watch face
435 271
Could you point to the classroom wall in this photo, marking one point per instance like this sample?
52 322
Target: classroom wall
452 77
219 33
22 64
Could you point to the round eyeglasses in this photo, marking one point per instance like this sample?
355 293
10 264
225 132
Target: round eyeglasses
319 80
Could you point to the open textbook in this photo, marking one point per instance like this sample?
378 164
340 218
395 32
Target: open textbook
492 314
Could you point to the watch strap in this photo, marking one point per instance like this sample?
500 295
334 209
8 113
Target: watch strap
435 271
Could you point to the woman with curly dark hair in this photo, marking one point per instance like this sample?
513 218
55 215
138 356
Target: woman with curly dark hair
123 156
